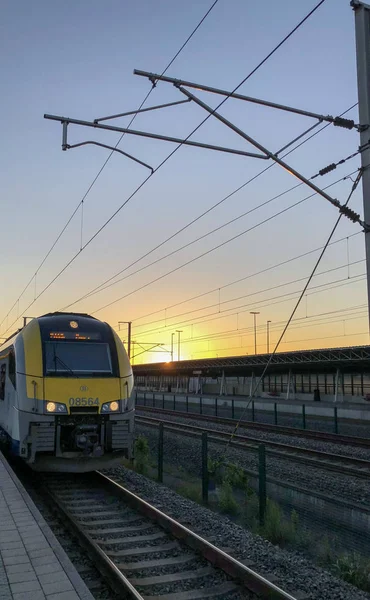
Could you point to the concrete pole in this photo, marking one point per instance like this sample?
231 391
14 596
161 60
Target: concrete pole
362 32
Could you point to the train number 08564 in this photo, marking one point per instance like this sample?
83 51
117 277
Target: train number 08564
84 402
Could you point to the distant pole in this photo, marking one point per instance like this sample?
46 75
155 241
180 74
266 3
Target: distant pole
254 313
129 324
172 336
362 33
268 337
129 339
179 332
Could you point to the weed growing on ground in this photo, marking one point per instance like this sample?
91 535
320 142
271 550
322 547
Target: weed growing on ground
353 568
141 454
276 528
215 470
190 490
237 478
227 502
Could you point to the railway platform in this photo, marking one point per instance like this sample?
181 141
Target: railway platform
33 565
226 405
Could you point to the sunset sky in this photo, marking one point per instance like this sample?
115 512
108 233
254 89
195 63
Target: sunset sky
76 59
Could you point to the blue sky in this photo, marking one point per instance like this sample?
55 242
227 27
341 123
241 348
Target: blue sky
76 59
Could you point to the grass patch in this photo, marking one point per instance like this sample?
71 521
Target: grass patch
190 490
354 569
277 529
227 502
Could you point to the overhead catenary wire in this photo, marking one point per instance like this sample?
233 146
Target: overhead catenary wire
255 293
326 337
109 283
81 202
299 323
138 188
354 186
315 321
207 252
280 299
236 281
104 284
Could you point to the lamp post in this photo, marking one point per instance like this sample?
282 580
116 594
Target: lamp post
268 336
255 313
178 331
172 336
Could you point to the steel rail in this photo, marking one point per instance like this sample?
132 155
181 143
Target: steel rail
252 581
119 583
308 456
322 436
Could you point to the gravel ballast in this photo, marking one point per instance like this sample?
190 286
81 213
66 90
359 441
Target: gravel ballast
301 442
180 450
293 572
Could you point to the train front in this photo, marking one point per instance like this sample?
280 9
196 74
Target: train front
78 374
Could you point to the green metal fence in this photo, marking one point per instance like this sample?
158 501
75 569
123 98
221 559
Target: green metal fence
301 517
232 409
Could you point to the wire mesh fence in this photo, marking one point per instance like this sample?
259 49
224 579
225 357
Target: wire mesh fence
245 487
332 419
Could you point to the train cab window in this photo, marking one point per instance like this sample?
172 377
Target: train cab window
12 367
2 381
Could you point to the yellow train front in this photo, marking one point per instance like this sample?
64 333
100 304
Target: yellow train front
66 401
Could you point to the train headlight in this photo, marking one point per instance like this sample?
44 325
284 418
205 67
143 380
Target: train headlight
55 408
110 407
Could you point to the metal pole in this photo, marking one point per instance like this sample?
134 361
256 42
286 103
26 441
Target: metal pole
288 386
129 339
262 484
160 453
255 335
206 88
172 336
268 337
271 155
205 467
362 32
129 324
336 385
255 313
335 419
153 136
179 332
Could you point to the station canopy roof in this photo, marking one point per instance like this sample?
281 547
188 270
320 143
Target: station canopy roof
355 359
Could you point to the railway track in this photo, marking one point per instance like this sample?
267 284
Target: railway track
144 553
346 465
281 429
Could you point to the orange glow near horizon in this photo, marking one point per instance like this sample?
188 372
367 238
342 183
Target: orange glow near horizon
212 343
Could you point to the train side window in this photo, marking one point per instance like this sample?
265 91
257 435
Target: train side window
12 367
2 382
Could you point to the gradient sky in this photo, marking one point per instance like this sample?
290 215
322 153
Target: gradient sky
76 59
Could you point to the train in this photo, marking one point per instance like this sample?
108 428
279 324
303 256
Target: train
66 394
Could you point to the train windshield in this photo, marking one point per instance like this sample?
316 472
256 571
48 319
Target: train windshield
76 359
